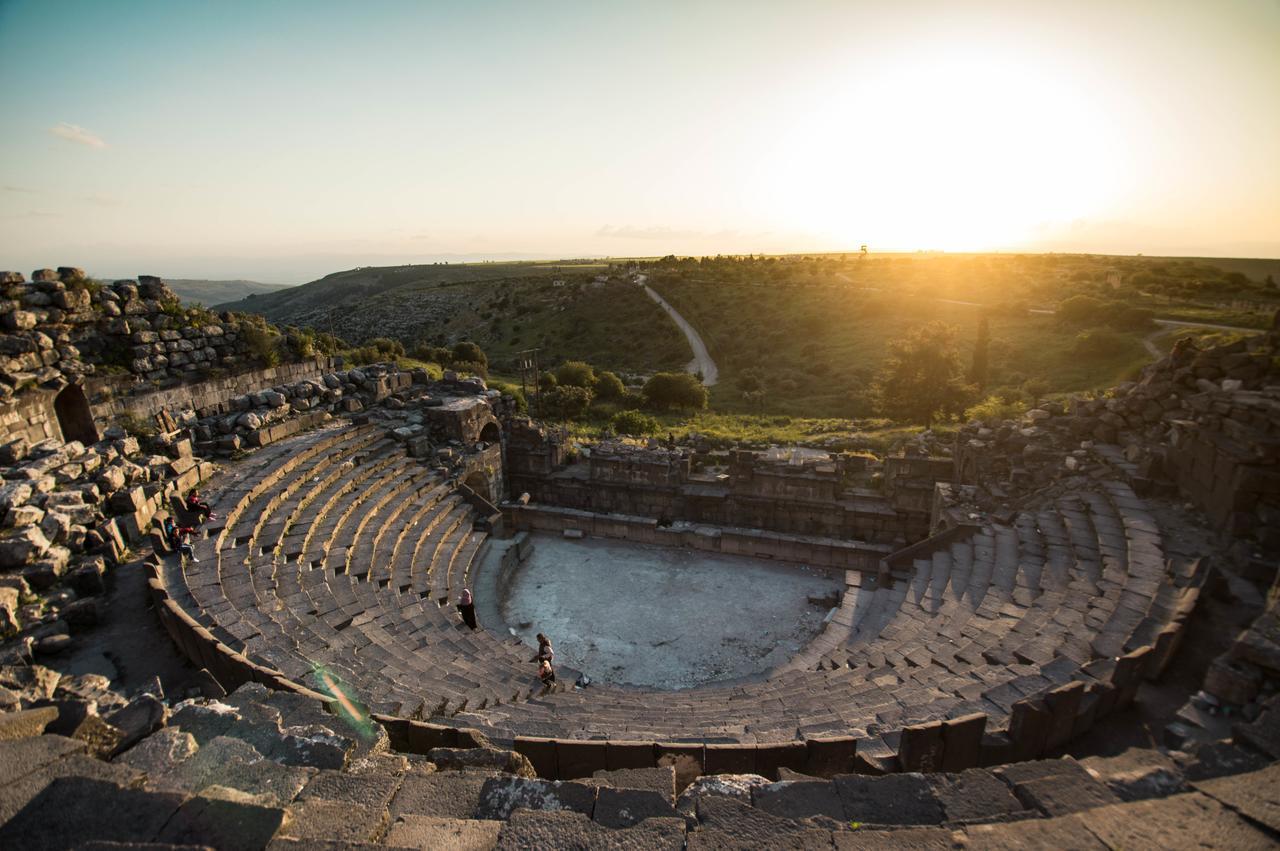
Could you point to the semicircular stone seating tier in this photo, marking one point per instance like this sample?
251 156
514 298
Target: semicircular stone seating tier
338 550
335 553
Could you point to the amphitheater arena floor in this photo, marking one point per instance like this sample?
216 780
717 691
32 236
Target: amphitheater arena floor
663 617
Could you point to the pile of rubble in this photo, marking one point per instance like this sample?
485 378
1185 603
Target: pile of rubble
1174 426
67 515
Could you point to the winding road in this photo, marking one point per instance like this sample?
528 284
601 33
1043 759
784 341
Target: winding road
702 362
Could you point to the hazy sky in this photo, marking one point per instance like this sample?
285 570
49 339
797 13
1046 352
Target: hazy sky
283 140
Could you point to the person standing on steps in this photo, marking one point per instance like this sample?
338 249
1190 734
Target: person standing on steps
467 606
545 652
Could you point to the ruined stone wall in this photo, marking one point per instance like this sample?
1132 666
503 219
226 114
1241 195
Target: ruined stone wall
1227 461
61 326
757 543
29 418
863 519
110 397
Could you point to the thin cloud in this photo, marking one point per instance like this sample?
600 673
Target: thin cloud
101 200
22 189
76 133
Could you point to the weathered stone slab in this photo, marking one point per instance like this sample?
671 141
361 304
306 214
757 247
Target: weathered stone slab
445 834
534 830
800 799
1060 795
1255 795
508 762
445 795
621 808
500 796
24 756
892 799
372 789
71 809
26 723
222 824
316 818
1034 835
1137 774
727 823
975 795
661 780
1190 820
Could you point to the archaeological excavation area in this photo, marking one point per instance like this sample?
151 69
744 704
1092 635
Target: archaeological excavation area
1058 631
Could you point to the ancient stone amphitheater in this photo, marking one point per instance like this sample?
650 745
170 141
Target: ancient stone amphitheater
1057 632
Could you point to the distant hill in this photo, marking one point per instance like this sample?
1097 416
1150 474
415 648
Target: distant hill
571 309
209 293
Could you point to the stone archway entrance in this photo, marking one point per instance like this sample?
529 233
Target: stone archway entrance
75 419
479 483
490 434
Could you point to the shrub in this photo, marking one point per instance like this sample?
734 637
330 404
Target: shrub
470 368
1081 309
302 342
137 426
668 390
1129 318
547 381
609 386
514 391
388 348
633 423
1035 388
565 403
996 408
469 352
575 373
263 343
424 351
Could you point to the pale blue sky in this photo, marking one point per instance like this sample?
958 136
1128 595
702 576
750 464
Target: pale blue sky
283 140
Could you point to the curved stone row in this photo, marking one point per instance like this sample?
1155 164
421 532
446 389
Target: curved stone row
337 552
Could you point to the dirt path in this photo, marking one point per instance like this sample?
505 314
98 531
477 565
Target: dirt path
702 362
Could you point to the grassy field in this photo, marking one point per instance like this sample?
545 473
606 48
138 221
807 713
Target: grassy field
817 351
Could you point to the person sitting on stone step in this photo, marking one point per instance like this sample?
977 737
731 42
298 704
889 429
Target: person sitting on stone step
467 606
179 538
197 506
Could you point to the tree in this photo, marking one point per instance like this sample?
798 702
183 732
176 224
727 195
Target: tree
1080 309
981 353
609 386
565 403
575 373
668 390
922 377
469 352
633 423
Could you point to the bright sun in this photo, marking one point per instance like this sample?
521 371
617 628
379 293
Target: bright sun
966 151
